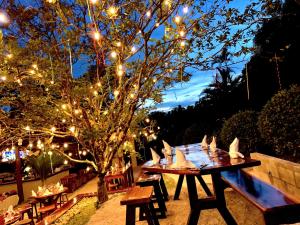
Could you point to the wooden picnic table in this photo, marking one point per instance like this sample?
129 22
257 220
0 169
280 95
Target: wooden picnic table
207 162
51 198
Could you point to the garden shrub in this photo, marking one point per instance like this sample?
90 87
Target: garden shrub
242 125
279 122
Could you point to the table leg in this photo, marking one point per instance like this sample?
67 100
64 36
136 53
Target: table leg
204 186
193 198
178 187
220 198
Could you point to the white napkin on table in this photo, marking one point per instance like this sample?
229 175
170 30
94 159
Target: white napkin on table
234 149
40 188
167 147
181 161
155 157
213 144
10 209
33 193
204 144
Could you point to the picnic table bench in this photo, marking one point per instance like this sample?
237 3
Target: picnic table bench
277 207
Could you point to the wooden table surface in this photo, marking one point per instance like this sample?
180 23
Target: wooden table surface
206 161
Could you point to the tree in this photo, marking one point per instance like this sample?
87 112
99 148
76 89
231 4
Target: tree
135 50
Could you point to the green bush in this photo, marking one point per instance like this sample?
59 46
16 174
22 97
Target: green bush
242 125
279 122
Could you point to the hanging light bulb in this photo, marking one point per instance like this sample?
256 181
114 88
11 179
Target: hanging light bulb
112 11
72 129
177 19
133 49
53 129
94 1
3 18
185 10
96 35
182 33
182 43
66 145
119 44
148 14
116 93
66 162
113 54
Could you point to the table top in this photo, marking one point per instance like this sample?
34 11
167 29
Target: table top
50 195
206 161
13 219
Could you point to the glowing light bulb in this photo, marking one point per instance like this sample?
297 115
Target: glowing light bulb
148 14
96 35
53 129
95 93
132 95
30 145
84 153
63 120
99 84
154 79
133 49
70 154
76 111
64 106
177 19
185 10
66 145
147 120
66 162
182 43
51 82
72 129
113 54
50 153
9 56
112 11
94 1
3 78
120 73
182 33
116 93
119 44
157 24
3 18
27 128
34 66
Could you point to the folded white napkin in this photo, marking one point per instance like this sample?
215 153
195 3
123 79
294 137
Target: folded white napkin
181 161
234 149
204 144
155 157
167 147
10 209
33 193
40 188
213 144
47 192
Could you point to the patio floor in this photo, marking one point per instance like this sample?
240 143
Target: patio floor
112 213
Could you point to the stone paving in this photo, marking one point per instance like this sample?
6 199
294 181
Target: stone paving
112 213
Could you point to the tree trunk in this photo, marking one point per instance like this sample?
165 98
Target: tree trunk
102 192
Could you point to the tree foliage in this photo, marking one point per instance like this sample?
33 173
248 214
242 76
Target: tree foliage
279 122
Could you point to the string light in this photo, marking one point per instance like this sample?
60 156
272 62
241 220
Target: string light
96 35
116 93
177 19
182 43
133 49
3 18
148 14
72 129
76 111
119 44
94 1
35 66
9 56
70 154
66 162
63 120
27 128
113 54
3 78
112 11
64 106
84 153
66 145
182 33
185 9
51 82
157 24
53 129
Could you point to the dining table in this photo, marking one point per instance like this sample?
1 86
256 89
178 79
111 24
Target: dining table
207 162
51 198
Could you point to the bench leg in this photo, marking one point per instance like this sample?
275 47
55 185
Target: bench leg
204 186
160 200
153 214
220 197
178 187
130 215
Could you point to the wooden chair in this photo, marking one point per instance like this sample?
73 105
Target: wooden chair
29 211
33 204
276 207
154 180
139 197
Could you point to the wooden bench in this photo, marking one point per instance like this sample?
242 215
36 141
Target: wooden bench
139 197
277 208
154 180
